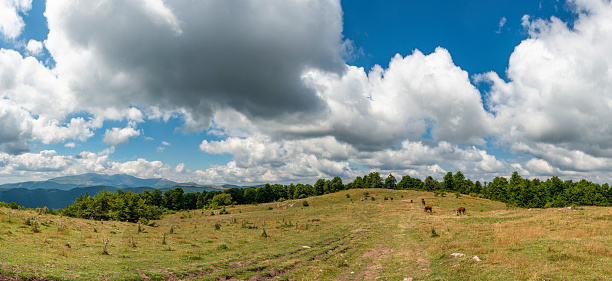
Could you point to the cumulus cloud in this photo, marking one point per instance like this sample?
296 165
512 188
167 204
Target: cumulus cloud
118 136
11 23
418 96
557 100
34 47
326 157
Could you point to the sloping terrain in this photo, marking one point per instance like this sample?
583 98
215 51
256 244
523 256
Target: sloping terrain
340 236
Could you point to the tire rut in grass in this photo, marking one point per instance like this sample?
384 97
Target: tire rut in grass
279 265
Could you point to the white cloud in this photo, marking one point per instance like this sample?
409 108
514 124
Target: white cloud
117 136
34 47
502 22
11 23
70 145
165 143
557 100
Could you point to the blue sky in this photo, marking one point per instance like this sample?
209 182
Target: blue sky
246 92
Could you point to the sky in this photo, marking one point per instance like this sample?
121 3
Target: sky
251 92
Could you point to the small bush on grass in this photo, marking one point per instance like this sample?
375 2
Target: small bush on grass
305 203
434 233
264 234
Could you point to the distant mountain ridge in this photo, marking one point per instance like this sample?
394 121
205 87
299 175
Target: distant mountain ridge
91 179
58 199
59 192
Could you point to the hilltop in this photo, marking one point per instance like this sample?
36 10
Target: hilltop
338 236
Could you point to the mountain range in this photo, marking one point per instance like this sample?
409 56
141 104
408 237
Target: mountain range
59 192
91 179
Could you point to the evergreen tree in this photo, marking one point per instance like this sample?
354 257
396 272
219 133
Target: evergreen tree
390 182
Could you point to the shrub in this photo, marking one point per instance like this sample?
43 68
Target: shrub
35 228
221 247
217 226
269 208
434 233
348 195
305 203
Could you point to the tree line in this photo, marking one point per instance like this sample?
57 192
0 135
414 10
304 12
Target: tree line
516 191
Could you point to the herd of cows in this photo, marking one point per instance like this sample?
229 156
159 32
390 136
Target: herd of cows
429 209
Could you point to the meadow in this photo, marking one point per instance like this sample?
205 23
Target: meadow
339 236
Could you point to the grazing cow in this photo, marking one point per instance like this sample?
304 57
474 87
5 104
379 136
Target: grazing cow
461 210
391 198
386 198
402 196
411 201
373 199
423 201
428 209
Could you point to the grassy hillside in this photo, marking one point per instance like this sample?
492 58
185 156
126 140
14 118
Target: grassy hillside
334 238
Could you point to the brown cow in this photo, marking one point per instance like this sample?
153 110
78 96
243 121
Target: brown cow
423 201
461 210
428 209
373 199
410 200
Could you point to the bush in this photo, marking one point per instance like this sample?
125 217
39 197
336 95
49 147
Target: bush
348 195
434 233
264 234
305 203
221 247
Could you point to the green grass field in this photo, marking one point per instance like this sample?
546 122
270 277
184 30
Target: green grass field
334 238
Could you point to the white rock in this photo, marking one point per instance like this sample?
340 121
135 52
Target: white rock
476 258
457 255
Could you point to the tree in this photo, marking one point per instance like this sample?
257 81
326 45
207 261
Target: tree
223 199
319 187
336 184
390 182
449 182
250 195
191 200
431 184
358 182
173 199
373 180
460 182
